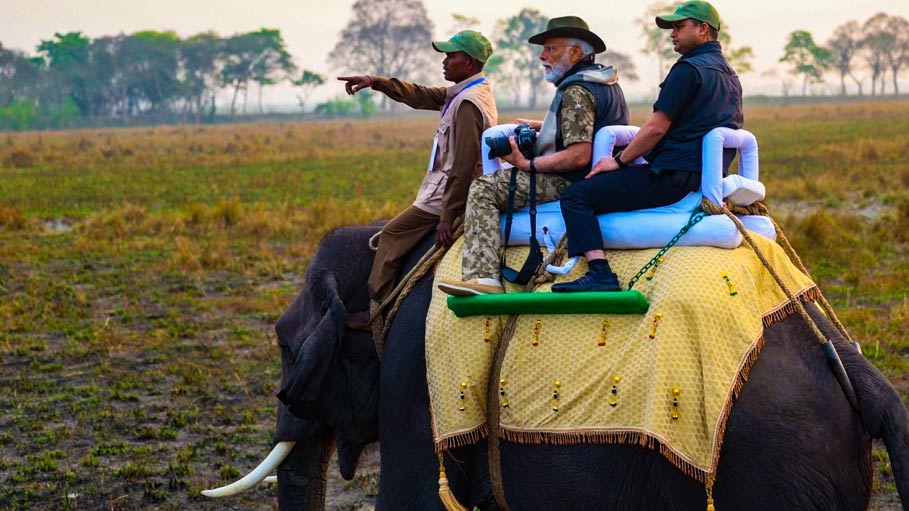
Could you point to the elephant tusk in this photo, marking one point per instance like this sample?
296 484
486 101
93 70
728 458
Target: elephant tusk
271 462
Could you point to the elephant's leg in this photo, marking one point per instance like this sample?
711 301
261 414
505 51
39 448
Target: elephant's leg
409 475
302 478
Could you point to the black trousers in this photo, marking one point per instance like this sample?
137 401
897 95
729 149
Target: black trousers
633 187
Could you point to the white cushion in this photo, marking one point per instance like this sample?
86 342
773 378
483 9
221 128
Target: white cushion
649 228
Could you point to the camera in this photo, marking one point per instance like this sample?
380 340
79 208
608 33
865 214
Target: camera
524 136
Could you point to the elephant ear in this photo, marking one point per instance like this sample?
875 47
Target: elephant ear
316 352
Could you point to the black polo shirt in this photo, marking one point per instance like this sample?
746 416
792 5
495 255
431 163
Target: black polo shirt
701 92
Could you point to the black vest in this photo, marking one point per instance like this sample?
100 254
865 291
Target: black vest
717 102
611 110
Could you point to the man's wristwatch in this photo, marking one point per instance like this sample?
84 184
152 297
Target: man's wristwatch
618 159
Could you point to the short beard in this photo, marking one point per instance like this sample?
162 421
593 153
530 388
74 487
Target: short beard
555 73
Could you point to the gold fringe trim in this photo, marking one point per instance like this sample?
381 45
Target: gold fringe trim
647 440
810 295
462 439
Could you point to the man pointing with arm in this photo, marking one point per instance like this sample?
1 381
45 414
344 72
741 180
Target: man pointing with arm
467 108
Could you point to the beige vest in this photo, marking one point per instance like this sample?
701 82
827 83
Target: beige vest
429 197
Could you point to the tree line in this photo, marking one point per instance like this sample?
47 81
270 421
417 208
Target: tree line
150 75
874 49
153 76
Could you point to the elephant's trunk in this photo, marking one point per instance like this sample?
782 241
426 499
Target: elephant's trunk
303 477
269 464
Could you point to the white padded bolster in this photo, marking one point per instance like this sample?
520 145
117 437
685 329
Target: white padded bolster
610 136
712 160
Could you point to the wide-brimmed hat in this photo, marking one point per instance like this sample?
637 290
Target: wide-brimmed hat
472 43
694 9
569 26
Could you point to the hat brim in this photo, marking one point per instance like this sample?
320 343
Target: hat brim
445 47
585 35
665 22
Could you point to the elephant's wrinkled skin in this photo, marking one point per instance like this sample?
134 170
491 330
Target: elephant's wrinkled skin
792 441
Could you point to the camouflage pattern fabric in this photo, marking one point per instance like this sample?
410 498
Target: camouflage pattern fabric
489 194
576 115
482 228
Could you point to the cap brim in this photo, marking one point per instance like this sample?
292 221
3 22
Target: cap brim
445 47
585 35
665 22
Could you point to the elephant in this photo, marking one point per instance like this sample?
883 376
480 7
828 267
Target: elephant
793 441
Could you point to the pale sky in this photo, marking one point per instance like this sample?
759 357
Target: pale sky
311 28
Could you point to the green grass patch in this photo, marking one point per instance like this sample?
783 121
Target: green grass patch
142 271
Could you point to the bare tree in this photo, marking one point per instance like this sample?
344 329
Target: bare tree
877 41
897 54
387 38
844 48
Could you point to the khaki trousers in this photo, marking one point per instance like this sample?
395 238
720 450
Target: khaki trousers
482 222
399 236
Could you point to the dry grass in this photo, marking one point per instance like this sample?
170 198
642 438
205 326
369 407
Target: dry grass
142 270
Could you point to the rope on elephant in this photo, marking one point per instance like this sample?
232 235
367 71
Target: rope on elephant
833 357
790 251
492 413
557 257
426 263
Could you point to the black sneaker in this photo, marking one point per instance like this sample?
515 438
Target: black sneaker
590 282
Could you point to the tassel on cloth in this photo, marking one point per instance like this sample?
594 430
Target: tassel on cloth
710 496
448 499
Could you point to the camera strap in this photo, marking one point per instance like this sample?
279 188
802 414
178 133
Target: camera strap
535 257
509 208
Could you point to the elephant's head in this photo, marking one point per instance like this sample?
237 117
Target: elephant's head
329 388
330 373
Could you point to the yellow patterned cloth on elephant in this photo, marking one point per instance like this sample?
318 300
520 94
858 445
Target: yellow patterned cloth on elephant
665 379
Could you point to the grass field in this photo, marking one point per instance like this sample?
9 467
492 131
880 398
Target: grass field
142 270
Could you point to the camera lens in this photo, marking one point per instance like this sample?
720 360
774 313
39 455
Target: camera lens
498 146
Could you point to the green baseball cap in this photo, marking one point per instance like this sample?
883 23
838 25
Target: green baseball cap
468 41
695 9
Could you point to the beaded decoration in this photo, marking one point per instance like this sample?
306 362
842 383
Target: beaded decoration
605 327
614 395
656 319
